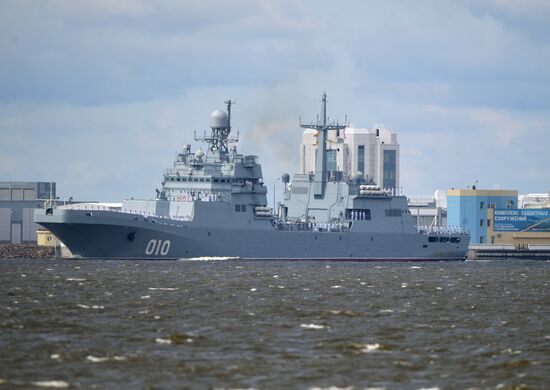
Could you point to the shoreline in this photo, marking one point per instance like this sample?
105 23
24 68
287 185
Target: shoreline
28 251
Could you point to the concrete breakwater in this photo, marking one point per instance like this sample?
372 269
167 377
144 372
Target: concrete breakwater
29 251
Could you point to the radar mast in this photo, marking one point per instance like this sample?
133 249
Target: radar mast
218 140
322 127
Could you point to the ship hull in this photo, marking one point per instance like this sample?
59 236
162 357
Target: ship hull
107 234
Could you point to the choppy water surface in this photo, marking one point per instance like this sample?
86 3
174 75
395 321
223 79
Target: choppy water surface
245 324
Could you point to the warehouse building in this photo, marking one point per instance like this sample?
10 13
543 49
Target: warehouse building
17 202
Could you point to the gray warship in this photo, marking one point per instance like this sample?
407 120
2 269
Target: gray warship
213 204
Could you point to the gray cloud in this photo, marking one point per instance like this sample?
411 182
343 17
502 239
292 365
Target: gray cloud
99 96
93 54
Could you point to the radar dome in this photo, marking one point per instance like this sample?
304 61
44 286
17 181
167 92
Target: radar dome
199 153
357 179
218 120
285 177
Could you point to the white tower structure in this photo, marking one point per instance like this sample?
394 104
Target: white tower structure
369 152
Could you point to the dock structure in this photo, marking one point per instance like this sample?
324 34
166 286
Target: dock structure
508 252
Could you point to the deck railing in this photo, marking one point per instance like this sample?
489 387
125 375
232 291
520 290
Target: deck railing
441 230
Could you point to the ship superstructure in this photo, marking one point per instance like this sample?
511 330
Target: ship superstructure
213 203
329 196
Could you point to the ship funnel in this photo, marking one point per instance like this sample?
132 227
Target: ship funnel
219 120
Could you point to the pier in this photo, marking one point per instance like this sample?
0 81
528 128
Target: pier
508 252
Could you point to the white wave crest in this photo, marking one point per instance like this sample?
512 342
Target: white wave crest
367 348
164 288
95 359
158 340
53 384
211 258
312 326
96 307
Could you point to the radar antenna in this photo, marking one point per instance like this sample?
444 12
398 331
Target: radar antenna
322 127
218 139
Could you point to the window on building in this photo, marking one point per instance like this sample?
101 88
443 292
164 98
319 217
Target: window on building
237 207
481 204
481 222
243 208
481 239
510 204
488 223
361 158
390 169
331 159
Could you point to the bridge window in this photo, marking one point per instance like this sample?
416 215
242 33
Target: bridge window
393 212
240 208
432 239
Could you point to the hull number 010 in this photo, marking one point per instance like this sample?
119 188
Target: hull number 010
157 247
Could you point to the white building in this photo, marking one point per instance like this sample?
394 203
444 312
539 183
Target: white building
429 210
530 201
372 153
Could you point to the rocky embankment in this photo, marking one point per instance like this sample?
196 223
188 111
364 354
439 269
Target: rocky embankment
28 251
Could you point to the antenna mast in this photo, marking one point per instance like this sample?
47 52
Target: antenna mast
219 137
322 128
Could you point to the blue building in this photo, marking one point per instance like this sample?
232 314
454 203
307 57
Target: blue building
468 209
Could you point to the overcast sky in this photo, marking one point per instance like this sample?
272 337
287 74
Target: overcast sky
100 95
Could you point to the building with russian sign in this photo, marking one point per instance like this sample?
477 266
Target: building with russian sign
469 210
523 228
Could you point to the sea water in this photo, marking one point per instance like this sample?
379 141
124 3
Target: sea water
271 325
